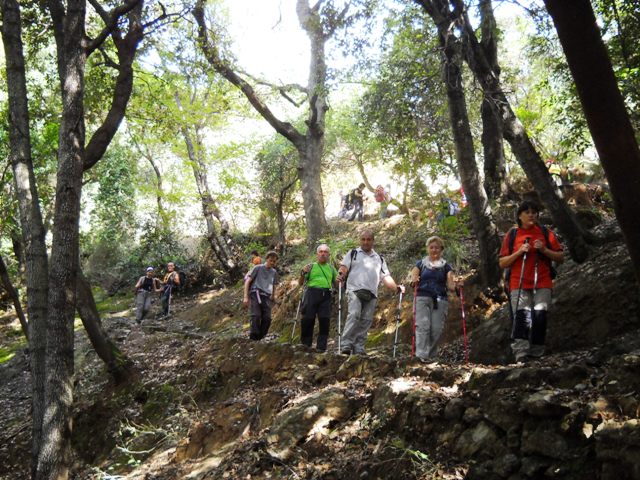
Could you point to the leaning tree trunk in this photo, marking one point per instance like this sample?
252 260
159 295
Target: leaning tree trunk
118 365
521 145
33 232
605 112
495 171
481 216
220 242
15 298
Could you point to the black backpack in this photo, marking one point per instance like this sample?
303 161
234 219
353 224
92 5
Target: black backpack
512 240
183 279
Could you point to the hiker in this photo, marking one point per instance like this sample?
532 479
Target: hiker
171 282
432 277
357 200
259 294
345 204
363 268
536 247
383 196
255 258
145 285
319 278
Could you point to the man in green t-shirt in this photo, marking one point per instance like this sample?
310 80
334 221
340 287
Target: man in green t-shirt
319 277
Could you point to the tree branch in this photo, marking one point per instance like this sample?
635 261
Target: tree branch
211 54
126 49
111 21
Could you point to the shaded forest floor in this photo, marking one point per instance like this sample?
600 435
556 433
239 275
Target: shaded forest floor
209 403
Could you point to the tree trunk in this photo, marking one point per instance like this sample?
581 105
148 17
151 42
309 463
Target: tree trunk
221 243
313 150
15 298
521 145
310 146
162 214
495 171
18 251
481 216
55 451
118 365
33 233
605 111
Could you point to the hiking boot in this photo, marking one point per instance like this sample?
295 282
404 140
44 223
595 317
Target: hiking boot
345 351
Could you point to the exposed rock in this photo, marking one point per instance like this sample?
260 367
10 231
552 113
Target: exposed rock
314 414
618 443
545 403
480 438
540 437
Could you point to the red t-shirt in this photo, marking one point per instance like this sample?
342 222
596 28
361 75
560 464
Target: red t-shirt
544 263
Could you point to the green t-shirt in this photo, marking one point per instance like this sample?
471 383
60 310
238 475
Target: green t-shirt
321 276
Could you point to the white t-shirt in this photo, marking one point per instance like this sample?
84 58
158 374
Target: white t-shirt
366 270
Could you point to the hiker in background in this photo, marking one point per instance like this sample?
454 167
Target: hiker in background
171 282
319 278
255 258
345 204
363 269
383 196
527 251
145 285
259 294
357 199
433 278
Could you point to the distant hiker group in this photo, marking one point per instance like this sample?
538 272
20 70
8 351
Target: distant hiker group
354 200
147 284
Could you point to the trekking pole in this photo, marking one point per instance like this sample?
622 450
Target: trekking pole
413 325
395 341
464 325
524 261
339 317
295 320
169 301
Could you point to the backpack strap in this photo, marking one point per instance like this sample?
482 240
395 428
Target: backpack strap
512 238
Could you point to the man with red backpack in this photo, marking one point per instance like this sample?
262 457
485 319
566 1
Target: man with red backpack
527 253
383 197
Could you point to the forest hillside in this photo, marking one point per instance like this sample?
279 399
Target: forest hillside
210 403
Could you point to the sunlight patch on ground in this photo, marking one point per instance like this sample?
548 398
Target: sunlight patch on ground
401 385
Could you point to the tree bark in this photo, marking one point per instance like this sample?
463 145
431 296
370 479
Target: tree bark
310 146
162 214
605 111
221 243
495 171
480 210
15 298
55 451
118 365
33 232
521 145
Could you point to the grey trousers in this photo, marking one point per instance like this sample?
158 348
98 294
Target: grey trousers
143 304
529 324
358 322
429 326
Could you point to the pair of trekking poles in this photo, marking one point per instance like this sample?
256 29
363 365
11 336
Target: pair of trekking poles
398 314
295 321
514 312
413 324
